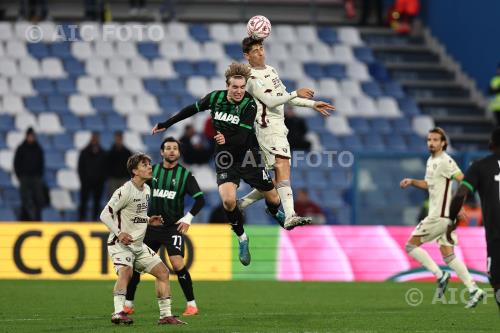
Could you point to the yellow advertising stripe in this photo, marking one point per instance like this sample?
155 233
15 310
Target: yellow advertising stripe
79 251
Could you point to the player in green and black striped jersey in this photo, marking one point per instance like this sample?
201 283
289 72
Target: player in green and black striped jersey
171 182
238 157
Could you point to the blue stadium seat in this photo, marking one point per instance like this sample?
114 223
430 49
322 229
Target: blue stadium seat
50 177
352 143
184 68
372 89
315 123
50 214
336 71
315 182
314 70
74 67
169 102
63 142
5 180
66 86
332 198
3 143
364 54
102 104
148 50
360 125
199 32
12 197
45 141
379 72
206 68
416 143
6 122
154 86
35 104
43 86
402 126
71 122
58 104
187 99
409 106
7 214
340 179
373 143
328 35
330 142
257 215
393 89
233 50
106 139
93 123
381 126
290 85
176 86
114 122
38 50
54 160
152 142
61 50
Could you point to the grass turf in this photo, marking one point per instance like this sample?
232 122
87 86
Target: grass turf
242 306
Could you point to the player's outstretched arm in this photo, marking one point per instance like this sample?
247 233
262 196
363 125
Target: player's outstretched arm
259 91
418 183
185 113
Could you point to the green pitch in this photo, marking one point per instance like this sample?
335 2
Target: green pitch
242 306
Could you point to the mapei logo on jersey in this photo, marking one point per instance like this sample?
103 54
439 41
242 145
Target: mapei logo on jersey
230 118
164 194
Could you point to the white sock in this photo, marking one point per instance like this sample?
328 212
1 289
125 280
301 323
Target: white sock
119 300
459 267
286 196
250 198
129 304
425 259
165 307
243 237
192 303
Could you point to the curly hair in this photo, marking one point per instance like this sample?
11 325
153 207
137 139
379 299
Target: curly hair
237 69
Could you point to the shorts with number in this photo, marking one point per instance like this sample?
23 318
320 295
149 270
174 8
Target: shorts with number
273 142
434 228
254 174
142 260
167 236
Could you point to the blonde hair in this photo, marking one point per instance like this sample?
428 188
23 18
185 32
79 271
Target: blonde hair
237 69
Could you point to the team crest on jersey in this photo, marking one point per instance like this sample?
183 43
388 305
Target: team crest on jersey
173 182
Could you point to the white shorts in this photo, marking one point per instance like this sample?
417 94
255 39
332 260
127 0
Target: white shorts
434 228
141 260
272 142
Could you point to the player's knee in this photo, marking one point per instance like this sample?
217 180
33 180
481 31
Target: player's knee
229 204
126 273
447 258
410 247
283 183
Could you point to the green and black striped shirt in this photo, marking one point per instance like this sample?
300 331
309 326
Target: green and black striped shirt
232 120
168 189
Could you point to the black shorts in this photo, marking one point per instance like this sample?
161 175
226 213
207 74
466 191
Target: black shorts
255 176
168 236
493 263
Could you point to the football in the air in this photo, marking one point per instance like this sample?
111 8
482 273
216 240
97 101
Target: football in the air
258 27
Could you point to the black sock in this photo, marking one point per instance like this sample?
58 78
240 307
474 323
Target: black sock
236 220
132 286
186 283
273 209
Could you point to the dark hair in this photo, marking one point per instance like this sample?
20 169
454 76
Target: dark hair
440 131
248 42
495 138
134 160
170 139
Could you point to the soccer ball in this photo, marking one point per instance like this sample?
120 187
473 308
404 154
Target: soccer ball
258 27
